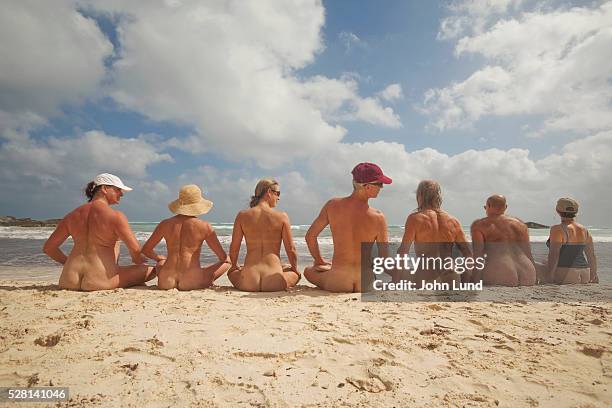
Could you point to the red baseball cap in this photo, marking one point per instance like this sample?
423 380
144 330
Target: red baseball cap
369 173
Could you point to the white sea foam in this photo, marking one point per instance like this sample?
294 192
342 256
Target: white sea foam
224 231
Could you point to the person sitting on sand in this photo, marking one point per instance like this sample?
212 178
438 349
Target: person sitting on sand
568 243
504 240
184 234
96 230
352 222
263 229
434 233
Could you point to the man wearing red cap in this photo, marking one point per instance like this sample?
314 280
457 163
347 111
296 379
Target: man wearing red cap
352 222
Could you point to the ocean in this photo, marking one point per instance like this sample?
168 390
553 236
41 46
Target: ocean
21 256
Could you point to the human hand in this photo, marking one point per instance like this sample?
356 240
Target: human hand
139 259
321 262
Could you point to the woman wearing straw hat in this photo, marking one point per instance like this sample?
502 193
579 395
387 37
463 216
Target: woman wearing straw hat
96 230
263 229
184 234
569 242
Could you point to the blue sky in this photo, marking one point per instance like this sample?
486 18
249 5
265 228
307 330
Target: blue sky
492 96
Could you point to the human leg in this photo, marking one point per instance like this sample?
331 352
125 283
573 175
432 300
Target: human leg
133 275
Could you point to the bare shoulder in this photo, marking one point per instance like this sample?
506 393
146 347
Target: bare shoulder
450 219
118 215
204 226
77 211
242 214
283 216
334 202
517 223
163 224
376 213
579 225
416 218
479 223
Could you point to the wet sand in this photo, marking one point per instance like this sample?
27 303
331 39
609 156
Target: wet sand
143 347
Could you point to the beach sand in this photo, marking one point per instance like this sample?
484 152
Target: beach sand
142 347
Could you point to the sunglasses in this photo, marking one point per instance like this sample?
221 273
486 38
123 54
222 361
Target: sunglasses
379 185
275 192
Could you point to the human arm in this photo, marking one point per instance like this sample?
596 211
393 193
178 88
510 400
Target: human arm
213 243
53 243
523 239
313 232
288 243
237 235
382 243
478 244
591 259
556 240
409 235
460 240
464 248
148 249
123 230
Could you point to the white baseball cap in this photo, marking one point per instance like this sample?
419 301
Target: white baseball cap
107 179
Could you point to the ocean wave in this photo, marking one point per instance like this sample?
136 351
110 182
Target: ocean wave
599 235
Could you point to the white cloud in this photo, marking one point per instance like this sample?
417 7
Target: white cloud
350 41
532 186
229 70
155 190
392 92
64 160
51 55
557 64
472 16
337 100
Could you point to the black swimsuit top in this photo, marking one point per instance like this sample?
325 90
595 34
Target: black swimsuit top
571 255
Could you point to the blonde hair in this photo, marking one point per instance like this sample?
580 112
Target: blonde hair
261 189
431 195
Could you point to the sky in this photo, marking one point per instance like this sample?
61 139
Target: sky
495 96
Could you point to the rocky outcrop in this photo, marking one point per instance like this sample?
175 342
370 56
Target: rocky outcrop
9 221
535 225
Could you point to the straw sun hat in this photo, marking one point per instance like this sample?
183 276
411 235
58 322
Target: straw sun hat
190 202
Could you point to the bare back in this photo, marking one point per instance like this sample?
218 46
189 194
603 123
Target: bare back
505 242
434 232
263 231
352 222
501 228
428 227
184 237
92 263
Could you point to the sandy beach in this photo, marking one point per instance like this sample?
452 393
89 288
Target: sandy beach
142 347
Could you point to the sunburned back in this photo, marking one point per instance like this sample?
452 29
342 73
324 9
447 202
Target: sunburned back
352 222
92 225
506 246
501 229
262 228
435 232
183 236
576 233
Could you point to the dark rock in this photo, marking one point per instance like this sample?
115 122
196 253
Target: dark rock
10 221
535 225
